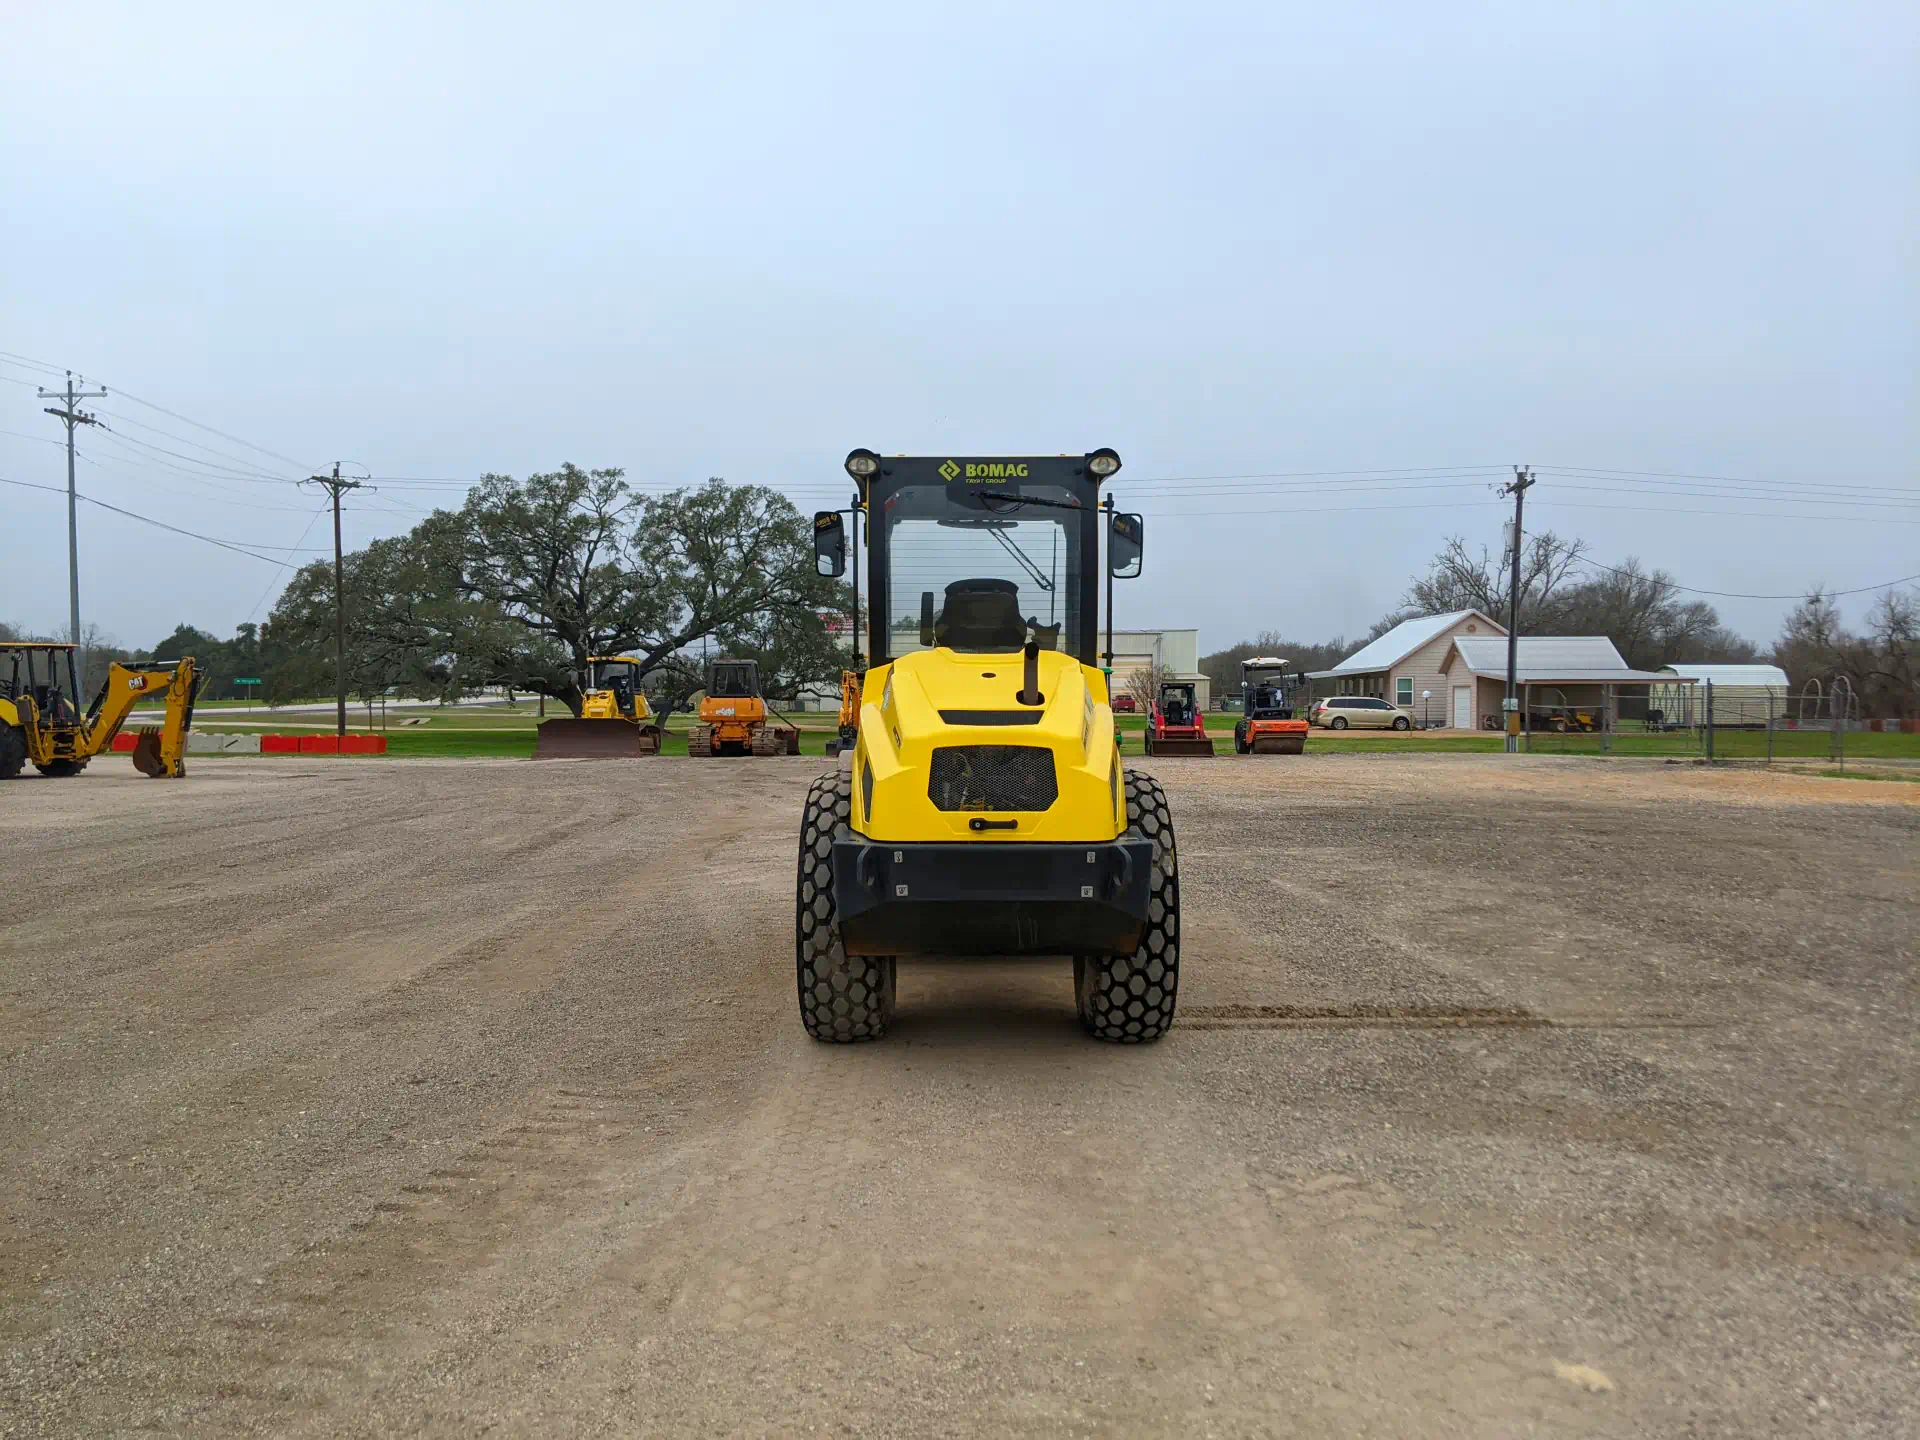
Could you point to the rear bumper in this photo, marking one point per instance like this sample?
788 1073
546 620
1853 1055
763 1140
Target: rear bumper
992 898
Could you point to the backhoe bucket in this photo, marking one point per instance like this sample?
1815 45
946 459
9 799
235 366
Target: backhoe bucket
146 754
595 740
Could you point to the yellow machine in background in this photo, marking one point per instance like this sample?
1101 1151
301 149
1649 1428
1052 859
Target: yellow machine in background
849 713
615 719
40 722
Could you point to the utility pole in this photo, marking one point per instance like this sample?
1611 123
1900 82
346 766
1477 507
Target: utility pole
1522 482
854 510
71 416
336 487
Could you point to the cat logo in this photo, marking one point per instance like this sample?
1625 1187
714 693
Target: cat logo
948 469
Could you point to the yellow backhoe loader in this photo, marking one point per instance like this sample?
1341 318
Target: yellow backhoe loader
615 720
40 722
849 713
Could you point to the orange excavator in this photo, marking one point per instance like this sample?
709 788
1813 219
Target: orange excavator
734 719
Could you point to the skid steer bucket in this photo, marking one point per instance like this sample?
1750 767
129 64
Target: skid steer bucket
1179 745
595 740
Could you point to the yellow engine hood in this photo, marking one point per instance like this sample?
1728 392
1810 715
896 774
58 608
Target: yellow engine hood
933 699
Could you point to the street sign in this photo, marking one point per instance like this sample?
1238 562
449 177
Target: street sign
246 682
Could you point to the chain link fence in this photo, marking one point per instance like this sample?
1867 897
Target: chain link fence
1696 722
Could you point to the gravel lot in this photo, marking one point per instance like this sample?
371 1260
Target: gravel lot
1510 1096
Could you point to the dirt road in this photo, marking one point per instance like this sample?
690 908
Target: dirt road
468 1097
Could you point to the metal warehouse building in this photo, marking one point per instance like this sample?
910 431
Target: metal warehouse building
1742 694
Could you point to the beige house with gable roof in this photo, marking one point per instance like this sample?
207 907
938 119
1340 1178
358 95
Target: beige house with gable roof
1404 667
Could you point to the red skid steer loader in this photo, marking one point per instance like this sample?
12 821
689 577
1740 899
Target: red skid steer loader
1175 725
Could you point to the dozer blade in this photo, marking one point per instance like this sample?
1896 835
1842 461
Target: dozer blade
1185 745
146 753
592 740
1279 744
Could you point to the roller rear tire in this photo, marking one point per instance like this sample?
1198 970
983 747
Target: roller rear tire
843 998
1129 999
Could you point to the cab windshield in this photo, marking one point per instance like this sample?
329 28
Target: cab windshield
732 682
997 568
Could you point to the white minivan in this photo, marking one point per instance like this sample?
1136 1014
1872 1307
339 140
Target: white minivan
1360 712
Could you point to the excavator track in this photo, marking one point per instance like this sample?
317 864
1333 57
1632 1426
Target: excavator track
700 742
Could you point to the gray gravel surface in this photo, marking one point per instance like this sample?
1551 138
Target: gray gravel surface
1510 1096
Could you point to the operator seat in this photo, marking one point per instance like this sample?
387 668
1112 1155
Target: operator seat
981 615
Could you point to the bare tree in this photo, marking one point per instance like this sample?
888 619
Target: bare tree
1460 580
1143 683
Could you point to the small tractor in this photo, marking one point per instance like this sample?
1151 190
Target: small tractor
1175 725
849 713
1266 726
39 720
733 716
615 720
983 808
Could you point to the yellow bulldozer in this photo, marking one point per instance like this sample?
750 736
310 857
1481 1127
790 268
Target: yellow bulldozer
615 720
40 722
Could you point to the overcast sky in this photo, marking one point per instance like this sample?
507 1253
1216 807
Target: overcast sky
1240 240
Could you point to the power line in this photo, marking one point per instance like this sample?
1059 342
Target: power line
236 547
1682 475
1737 595
1736 514
285 565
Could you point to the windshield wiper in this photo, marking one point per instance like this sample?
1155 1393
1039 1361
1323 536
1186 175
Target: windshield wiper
1040 577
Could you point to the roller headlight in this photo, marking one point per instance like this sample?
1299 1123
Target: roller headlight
1102 462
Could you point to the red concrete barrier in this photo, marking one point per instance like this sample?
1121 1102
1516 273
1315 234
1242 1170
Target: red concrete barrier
363 745
319 744
124 742
279 744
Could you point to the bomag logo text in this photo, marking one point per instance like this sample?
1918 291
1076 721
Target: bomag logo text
995 470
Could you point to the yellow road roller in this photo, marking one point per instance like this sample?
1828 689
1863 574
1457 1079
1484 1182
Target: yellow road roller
983 809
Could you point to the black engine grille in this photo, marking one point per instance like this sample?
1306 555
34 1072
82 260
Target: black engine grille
992 777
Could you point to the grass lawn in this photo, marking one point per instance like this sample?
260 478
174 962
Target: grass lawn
509 731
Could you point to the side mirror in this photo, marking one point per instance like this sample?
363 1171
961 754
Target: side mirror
926 618
1124 543
829 544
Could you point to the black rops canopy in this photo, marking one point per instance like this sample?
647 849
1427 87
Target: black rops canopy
994 484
